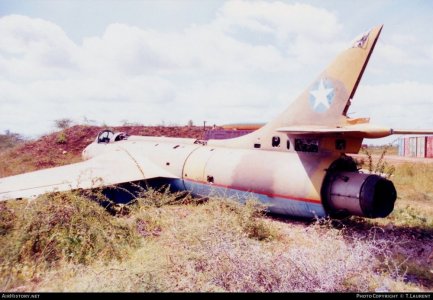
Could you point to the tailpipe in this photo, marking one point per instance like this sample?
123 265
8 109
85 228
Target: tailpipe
353 193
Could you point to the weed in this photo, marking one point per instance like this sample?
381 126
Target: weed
381 166
251 220
160 197
61 138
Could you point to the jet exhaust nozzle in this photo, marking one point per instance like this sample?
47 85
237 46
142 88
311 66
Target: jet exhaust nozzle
365 195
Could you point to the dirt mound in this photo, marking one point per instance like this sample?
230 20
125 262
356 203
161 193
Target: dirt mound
65 147
76 138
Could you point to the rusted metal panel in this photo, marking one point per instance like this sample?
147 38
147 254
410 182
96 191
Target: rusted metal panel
406 147
429 147
420 146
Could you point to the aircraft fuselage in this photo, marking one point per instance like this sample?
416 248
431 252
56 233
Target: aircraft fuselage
290 182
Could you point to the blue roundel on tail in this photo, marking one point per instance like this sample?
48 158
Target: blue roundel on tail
321 95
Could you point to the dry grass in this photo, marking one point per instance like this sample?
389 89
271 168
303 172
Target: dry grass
378 150
40 235
414 205
415 182
181 245
410 225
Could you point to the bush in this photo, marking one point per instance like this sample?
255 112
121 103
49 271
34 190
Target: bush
58 228
250 217
9 140
61 138
63 123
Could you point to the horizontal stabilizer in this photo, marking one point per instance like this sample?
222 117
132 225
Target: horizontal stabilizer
356 131
408 131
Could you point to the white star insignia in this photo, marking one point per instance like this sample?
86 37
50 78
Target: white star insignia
321 95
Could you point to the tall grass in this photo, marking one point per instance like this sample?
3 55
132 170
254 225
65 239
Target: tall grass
415 179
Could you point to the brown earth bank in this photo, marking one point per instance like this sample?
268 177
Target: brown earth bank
65 147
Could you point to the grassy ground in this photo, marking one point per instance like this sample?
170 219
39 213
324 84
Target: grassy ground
67 242
64 242
378 150
411 222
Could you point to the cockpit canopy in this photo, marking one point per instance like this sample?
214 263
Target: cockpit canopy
108 136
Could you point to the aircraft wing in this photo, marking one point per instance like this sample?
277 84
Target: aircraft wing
356 131
114 167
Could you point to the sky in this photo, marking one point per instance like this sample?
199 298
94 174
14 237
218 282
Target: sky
167 62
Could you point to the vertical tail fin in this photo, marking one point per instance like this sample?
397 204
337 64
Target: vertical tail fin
327 100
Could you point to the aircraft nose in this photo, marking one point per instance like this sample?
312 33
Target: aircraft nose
365 195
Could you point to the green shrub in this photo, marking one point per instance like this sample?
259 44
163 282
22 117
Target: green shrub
61 138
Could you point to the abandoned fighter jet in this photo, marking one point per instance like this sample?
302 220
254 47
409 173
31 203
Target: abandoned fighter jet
296 163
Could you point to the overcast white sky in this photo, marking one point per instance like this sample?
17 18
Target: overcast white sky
155 62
